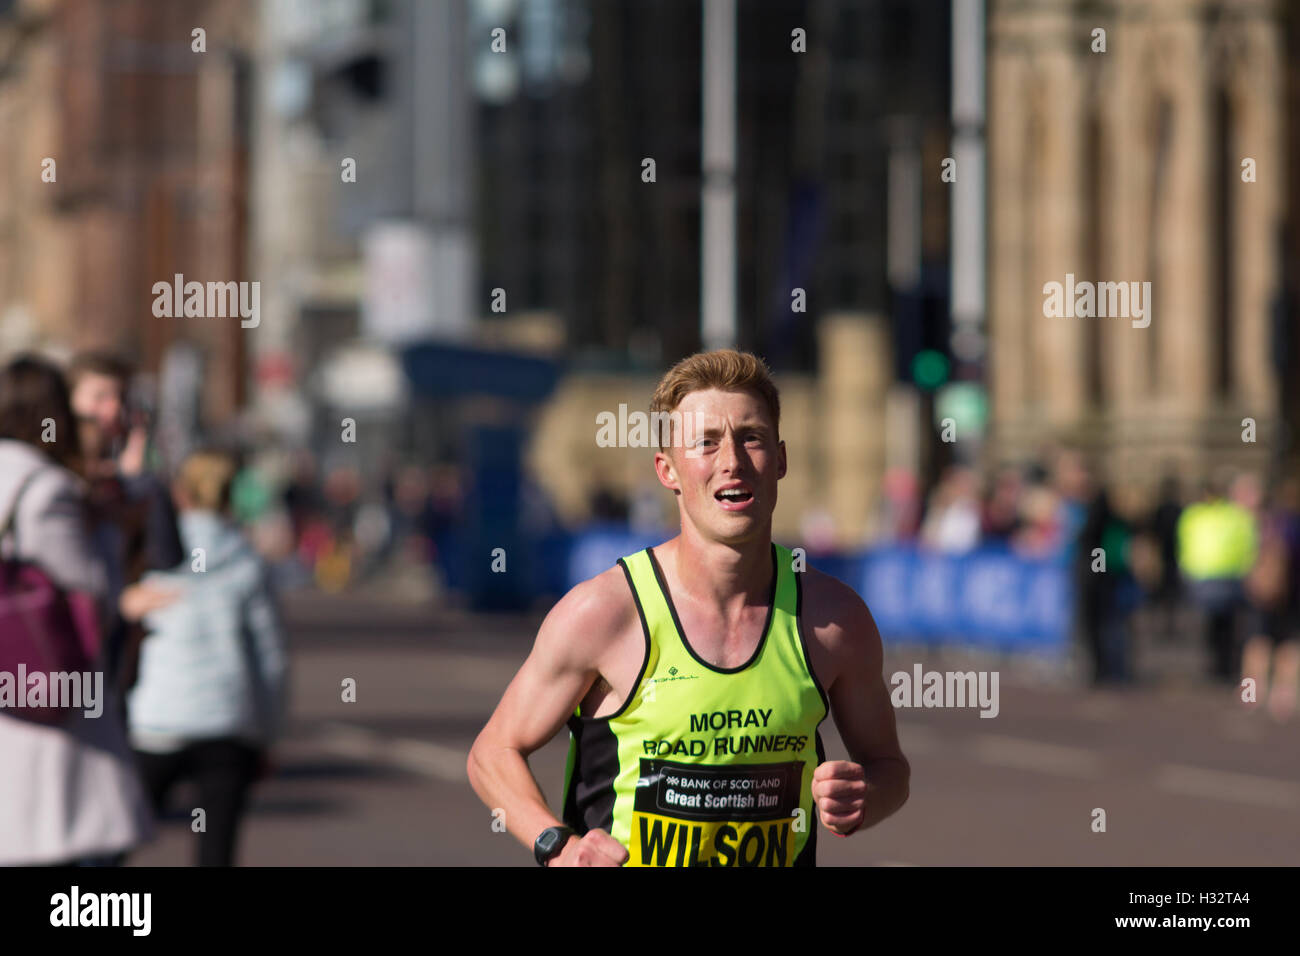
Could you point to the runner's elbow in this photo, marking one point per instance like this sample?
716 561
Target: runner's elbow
487 753
478 763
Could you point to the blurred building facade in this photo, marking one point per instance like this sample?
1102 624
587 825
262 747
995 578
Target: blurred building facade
394 172
575 254
123 162
1127 165
1288 317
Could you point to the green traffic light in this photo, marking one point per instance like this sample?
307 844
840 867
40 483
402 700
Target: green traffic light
930 369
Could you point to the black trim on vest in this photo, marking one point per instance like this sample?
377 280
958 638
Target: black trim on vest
589 802
803 643
808 857
681 632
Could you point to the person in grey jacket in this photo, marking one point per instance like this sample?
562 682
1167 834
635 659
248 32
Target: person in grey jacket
209 700
69 794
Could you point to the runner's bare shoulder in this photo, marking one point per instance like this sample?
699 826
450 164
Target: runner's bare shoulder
836 617
590 621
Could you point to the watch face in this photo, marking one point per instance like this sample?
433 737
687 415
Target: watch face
548 840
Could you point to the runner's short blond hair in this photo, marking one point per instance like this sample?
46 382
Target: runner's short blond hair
726 369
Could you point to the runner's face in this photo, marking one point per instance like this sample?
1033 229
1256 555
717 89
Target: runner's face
727 443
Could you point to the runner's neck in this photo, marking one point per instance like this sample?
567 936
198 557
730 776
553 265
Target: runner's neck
718 575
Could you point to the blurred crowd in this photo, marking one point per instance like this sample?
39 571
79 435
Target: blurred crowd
182 566
1225 558
181 626
324 525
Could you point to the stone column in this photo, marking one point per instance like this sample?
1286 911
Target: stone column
1010 315
1182 291
1256 97
1057 240
854 378
1128 103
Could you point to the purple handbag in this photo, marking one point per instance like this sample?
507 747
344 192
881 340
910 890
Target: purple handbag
43 630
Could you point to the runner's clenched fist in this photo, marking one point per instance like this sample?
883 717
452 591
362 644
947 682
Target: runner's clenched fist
839 788
596 848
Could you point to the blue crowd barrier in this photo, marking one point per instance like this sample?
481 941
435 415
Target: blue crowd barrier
989 598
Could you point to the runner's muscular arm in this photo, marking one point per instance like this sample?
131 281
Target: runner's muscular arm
564 663
859 699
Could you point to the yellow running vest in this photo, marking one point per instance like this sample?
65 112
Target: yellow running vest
702 765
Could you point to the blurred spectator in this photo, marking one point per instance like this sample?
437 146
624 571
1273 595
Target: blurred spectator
1216 548
210 699
133 520
1168 592
410 502
1273 594
900 512
329 546
114 443
1073 480
1106 588
70 793
1001 519
372 531
342 494
952 521
446 499
446 504
251 498
301 499
1041 530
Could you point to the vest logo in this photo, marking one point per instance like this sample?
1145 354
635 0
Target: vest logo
672 675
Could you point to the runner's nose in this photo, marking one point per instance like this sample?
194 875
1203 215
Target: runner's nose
731 455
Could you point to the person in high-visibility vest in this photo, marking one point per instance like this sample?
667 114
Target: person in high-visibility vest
1217 544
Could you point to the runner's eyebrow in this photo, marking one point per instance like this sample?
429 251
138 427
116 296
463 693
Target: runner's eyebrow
708 430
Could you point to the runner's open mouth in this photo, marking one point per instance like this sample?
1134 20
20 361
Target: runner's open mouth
733 494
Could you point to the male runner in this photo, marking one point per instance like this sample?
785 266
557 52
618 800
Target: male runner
693 676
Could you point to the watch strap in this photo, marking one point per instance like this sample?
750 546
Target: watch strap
552 849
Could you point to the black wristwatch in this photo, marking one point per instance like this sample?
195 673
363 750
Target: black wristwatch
550 842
